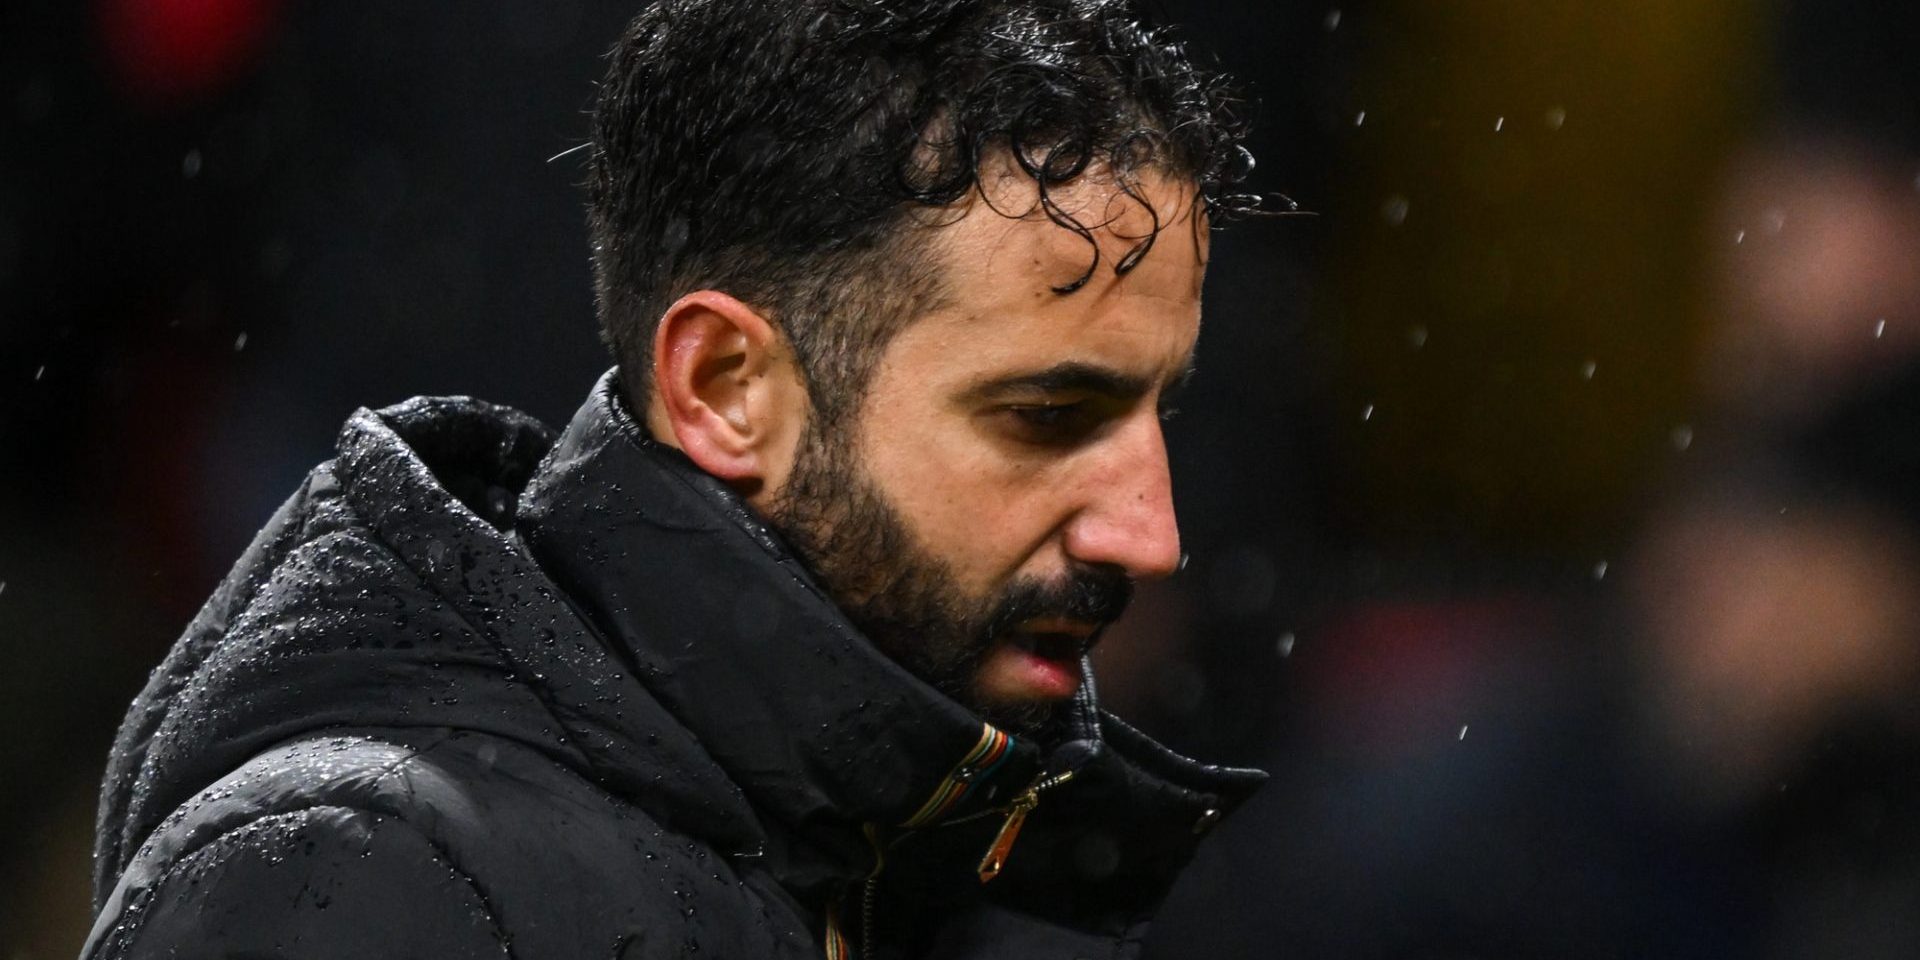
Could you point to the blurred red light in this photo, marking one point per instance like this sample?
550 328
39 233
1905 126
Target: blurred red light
169 51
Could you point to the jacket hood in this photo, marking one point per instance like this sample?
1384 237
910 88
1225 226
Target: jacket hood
389 592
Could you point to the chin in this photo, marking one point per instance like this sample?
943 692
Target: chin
1032 719
1026 708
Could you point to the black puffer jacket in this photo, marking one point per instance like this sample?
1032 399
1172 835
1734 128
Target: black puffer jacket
477 693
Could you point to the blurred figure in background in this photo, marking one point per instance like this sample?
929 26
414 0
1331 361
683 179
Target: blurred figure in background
1779 589
1701 739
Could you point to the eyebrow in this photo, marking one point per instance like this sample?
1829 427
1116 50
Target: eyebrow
1077 377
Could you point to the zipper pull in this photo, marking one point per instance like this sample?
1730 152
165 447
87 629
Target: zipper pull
1017 812
1009 831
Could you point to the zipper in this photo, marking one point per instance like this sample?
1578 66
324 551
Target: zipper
990 865
869 890
836 939
1017 812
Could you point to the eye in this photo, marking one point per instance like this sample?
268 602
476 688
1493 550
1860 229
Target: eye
1051 423
1049 415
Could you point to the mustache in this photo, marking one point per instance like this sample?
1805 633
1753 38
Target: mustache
1094 595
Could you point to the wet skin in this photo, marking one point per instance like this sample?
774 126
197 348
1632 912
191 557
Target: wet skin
1015 431
1018 430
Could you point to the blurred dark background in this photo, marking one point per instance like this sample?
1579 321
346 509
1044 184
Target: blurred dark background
1552 489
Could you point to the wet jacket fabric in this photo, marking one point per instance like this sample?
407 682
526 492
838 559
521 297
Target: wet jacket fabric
477 691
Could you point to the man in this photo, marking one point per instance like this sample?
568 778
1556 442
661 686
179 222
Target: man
778 650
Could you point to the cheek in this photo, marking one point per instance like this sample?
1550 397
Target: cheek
968 503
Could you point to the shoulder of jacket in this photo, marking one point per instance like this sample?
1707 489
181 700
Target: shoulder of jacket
474 829
335 881
444 781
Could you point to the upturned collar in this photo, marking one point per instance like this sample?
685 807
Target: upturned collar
822 732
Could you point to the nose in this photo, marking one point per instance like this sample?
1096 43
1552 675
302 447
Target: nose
1127 518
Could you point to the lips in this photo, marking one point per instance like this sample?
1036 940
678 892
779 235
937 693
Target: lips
1033 667
1039 660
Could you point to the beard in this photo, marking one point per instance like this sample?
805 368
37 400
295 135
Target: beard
905 598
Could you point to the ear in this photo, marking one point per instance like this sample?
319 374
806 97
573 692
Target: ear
727 392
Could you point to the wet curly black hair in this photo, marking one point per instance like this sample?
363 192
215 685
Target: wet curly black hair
775 149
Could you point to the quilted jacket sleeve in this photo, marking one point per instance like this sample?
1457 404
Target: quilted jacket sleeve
324 883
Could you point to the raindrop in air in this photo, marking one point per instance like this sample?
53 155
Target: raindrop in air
1499 122
37 374
240 342
1360 118
1556 118
1588 369
1600 570
1417 337
1463 731
1333 19
1682 437
1880 328
1367 414
576 148
1394 211
1284 647
190 164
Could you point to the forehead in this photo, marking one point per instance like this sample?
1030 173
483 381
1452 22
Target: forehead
1004 260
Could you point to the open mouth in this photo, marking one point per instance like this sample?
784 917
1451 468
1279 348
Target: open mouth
1038 661
1053 644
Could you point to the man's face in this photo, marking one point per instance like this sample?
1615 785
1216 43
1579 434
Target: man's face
1006 480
